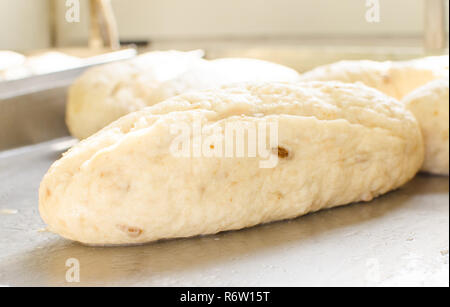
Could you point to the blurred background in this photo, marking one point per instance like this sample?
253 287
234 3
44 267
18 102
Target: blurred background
27 25
301 34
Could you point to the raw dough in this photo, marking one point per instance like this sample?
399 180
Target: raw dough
395 79
105 93
42 63
430 105
10 58
338 144
398 79
220 72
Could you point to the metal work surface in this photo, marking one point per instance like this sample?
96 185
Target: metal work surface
63 78
33 118
399 239
32 110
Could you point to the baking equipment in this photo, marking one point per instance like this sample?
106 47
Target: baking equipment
32 109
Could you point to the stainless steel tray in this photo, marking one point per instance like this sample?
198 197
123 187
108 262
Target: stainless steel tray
399 239
42 82
32 109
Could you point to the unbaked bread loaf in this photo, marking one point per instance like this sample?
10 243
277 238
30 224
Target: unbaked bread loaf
224 71
337 144
39 64
52 61
398 79
395 79
430 105
10 58
105 93
91 106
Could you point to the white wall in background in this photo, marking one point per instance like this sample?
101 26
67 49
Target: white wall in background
24 24
265 17
165 19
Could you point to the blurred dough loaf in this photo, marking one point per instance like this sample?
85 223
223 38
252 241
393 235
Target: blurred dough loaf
10 58
395 79
398 79
430 105
337 144
105 93
224 71
39 64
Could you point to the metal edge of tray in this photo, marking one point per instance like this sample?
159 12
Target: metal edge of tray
32 110
32 84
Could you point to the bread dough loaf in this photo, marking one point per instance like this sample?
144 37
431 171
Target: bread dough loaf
220 72
105 93
430 105
395 79
9 59
52 61
39 64
338 144
398 79
91 107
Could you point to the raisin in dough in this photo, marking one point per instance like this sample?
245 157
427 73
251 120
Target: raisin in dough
105 93
338 144
396 79
430 105
224 71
